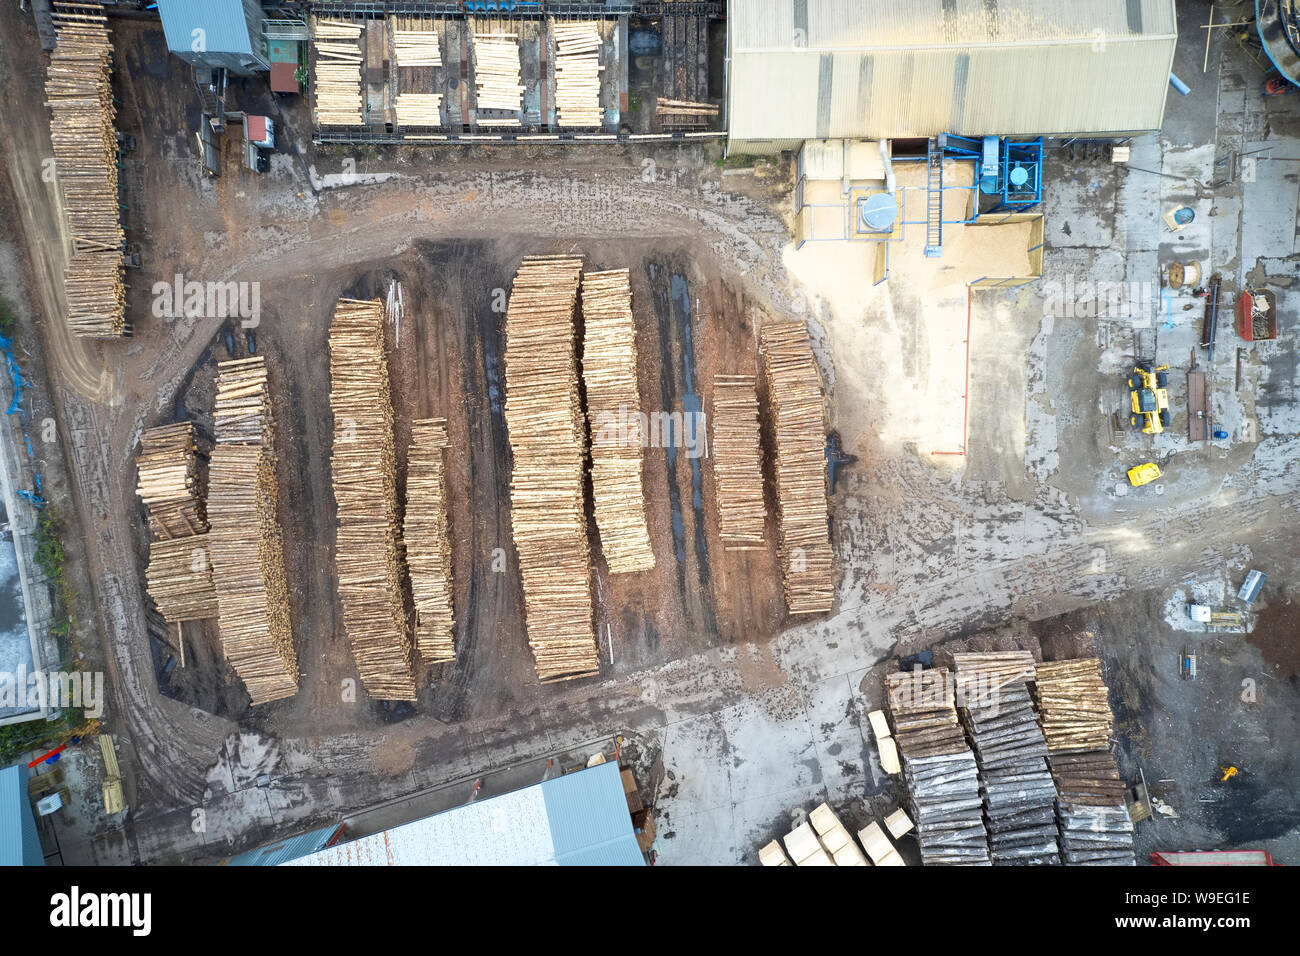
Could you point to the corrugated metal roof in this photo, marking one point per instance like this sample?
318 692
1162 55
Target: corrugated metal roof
806 69
286 850
223 23
579 819
19 843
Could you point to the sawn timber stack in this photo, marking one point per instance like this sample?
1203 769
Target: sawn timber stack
368 554
547 438
428 543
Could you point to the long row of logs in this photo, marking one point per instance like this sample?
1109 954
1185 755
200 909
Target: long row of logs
609 372
577 74
414 47
799 426
547 437
428 542
496 74
79 95
737 464
368 553
338 56
245 542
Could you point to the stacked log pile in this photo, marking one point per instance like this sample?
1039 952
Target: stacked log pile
1019 795
939 768
428 543
418 109
577 74
414 47
679 114
79 95
1092 813
737 464
496 76
794 387
547 437
179 578
337 45
245 544
368 554
609 371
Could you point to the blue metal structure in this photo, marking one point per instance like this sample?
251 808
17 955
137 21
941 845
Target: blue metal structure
290 849
1010 171
20 845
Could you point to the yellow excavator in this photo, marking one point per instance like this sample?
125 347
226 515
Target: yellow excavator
1149 397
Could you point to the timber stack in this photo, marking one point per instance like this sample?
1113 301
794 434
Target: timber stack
179 579
577 74
547 440
496 78
78 92
428 542
245 542
609 370
1092 813
413 46
337 48
368 554
799 425
737 464
1019 795
939 768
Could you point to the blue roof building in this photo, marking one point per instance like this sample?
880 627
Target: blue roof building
290 849
20 845
224 34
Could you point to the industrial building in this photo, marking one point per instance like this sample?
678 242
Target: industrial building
217 34
20 844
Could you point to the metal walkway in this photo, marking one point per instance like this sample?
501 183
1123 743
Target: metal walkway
934 203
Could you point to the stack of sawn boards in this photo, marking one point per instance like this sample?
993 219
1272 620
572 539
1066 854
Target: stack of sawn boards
428 543
547 440
1019 795
794 389
337 48
368 552
245 541
939 768
496 78
79 95
577 74
1096 828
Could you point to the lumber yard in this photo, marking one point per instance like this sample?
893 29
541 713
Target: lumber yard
782 433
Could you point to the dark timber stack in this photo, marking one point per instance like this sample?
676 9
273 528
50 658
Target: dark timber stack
428 543
942 778
1019 796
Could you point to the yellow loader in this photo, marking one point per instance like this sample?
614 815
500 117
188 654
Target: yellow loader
1149 398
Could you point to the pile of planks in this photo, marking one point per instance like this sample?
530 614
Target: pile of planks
939 768
418 109
413 47
245 542
547 438
496 75
79 95
428 543
1019 795
337 44
368 554
794 388
1094 821
685 114
609 372
577 74
737 464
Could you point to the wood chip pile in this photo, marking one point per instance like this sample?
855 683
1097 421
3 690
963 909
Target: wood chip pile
547 437
1074 708
428 543
496 76
609 371
1019 794
78 92
737 463
179 575
368 554
245 543
794 387
577 74
337 45
939 768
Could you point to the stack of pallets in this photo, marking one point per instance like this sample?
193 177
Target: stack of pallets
79 95
1074 705
1019 795
609 372
737 464
547 441
245 541
428 543
577 74
496 78
337 45
939 769
368 554
794 387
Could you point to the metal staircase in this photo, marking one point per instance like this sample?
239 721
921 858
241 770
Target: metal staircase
934 202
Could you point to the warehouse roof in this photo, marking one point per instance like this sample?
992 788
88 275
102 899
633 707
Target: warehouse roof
19 843
205 26
579 819
818 69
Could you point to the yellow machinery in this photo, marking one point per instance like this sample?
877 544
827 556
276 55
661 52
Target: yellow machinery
1149 398
1143 474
